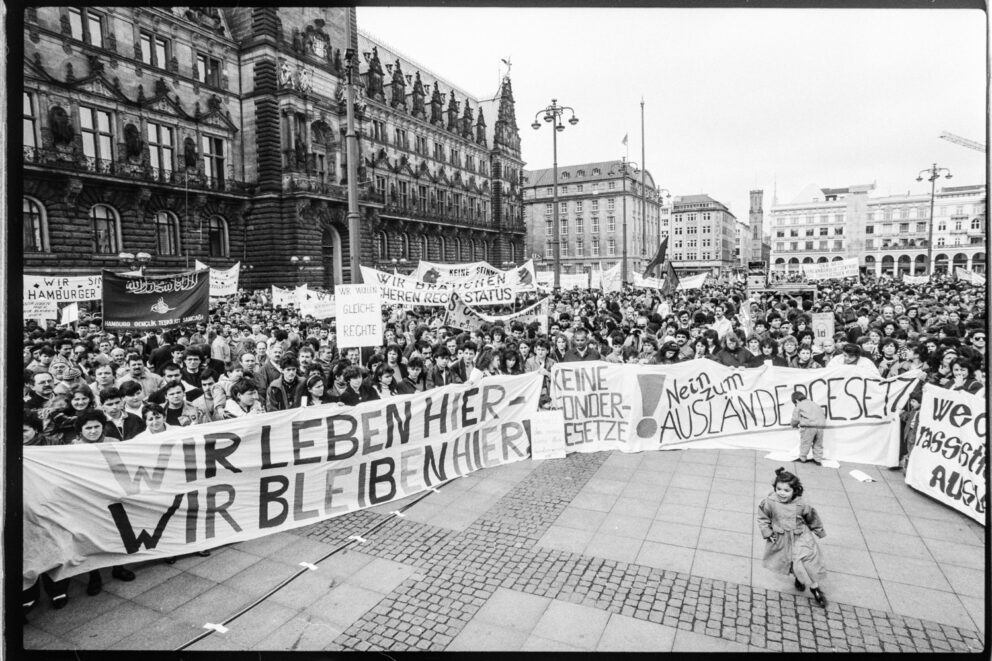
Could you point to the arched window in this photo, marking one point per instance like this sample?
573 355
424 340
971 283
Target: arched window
458 249
920 265
976 223
382 246
423 246
219 246
822 260
167 233
405 238
35 226
443 248
106 231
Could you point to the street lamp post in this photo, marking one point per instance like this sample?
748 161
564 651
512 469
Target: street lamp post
135 262
933 174
351 146
553 114
301 264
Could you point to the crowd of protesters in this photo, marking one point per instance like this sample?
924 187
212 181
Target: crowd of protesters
86 385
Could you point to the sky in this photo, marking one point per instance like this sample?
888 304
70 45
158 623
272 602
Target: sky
734 99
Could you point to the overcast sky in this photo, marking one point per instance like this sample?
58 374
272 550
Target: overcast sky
735 99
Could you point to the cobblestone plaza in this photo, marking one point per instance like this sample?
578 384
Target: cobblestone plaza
653 551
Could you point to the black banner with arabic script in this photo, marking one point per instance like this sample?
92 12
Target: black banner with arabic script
133 303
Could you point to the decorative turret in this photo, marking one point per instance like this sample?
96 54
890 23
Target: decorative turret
452 112
506 131
398 87
480 129
418 97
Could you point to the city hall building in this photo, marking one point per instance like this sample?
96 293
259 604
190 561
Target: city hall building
218 134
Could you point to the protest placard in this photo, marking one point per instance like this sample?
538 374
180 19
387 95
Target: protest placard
223 282
41 310
359 315
282 297
949 458
822 325
88 506
63 289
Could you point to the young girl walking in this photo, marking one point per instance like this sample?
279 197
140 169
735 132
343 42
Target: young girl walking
787 523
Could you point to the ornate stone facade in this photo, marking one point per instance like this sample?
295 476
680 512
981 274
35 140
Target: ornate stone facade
219 134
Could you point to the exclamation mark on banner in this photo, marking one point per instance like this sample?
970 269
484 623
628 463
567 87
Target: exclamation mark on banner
651 388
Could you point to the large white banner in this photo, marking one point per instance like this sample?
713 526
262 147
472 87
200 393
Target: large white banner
968 275
611 279
637 280
318 305
467 318
499 288
359 315
702 404
949 460
693 281
223 282
95 505
842 268
437 272
58 289
915 279
574 280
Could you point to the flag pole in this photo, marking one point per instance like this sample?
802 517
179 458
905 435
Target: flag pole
644 191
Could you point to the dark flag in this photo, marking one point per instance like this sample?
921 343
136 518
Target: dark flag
659 258
671 284
144 303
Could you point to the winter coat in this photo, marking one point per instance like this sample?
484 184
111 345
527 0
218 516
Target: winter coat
793 525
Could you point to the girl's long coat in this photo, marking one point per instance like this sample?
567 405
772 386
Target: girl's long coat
794 523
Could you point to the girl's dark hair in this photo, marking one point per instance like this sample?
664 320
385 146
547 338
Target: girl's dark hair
783 476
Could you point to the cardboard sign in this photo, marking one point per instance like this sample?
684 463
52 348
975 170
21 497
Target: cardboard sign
359 315
822 324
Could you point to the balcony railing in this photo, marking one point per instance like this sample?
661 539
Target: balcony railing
53 159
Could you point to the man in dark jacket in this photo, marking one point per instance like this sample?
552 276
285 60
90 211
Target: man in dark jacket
120 425
282 390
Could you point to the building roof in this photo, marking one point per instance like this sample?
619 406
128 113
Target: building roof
388 56
686 200
569 174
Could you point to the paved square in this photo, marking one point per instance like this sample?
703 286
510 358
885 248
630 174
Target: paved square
578 554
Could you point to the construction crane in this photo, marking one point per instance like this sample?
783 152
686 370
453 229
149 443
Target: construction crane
964 142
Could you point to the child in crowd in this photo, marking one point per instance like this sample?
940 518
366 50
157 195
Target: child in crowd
787 523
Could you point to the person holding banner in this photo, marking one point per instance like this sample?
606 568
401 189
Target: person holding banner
962 377
244 400
91 428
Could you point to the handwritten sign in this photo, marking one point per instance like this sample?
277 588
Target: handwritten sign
949 460
359 315
63 289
